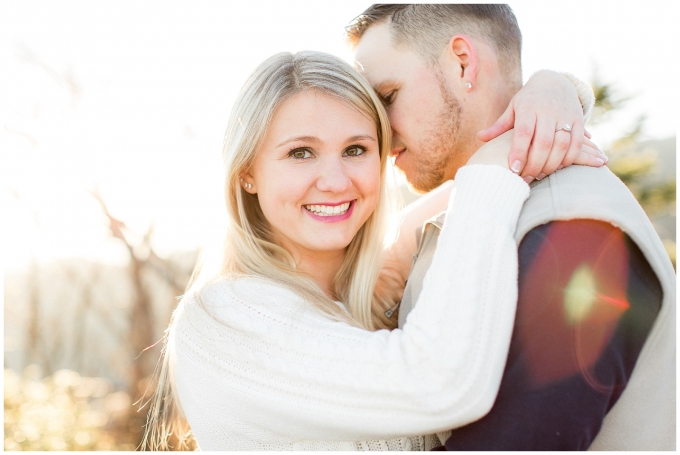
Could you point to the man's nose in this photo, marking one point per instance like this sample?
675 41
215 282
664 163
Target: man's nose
397 144
333 177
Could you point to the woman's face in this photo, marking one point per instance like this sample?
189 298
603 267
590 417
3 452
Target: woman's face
317 174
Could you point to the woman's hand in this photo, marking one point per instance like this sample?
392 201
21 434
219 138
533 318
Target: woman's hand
542 107
495 151
498 150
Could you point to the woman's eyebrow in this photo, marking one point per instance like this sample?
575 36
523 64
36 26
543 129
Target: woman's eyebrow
362 137
314 139
300 138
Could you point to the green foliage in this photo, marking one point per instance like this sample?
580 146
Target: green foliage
637 165
607 100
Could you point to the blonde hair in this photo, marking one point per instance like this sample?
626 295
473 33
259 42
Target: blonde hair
249 246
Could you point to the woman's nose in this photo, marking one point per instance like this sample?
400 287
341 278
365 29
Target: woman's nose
333 177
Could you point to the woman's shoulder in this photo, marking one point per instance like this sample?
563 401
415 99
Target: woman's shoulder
244 309
226 299
245 289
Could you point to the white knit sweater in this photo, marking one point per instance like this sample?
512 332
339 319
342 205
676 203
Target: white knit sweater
257 368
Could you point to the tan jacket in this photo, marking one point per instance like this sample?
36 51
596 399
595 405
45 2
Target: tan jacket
643 418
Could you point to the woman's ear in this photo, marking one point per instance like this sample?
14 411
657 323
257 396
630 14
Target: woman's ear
248 183
461 56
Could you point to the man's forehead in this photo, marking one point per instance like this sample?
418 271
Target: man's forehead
376 57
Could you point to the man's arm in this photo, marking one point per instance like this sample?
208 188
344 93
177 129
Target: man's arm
587 301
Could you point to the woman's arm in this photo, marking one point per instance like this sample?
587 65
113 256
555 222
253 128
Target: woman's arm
399 256
254 360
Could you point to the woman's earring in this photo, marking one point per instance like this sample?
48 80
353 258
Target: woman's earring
246 185
468 85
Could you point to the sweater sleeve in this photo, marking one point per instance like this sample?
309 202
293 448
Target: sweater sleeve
255 358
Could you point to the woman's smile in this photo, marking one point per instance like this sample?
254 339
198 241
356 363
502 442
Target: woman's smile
317 173
330 213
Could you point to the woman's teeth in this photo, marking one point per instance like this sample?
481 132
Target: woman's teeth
328 210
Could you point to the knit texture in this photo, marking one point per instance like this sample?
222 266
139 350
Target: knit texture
585 94
258 368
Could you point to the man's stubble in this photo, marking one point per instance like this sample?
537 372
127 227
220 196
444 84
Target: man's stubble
436 150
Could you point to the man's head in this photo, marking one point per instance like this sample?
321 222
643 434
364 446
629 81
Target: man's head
444 72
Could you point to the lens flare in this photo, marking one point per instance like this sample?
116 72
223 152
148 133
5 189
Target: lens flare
580 295
572 297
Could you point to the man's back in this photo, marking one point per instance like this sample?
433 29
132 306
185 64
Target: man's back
589 297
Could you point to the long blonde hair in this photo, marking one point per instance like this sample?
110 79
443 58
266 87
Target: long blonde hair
249 246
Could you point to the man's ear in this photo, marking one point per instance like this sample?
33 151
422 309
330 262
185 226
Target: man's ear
462 55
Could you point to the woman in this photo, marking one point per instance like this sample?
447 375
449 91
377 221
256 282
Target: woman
279 351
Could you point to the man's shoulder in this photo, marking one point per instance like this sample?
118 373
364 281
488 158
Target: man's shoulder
581 177
579 187
574 192
586 193
579 192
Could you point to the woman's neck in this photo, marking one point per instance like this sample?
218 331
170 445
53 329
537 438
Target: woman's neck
322 266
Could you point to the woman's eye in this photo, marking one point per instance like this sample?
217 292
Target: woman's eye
300 154
355 150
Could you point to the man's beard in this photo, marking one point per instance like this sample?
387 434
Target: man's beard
437 149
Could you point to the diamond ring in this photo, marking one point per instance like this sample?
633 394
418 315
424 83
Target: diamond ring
566 127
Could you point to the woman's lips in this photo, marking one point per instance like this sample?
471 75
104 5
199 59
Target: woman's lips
330 212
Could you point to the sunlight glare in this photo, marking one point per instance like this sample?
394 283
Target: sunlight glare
580 294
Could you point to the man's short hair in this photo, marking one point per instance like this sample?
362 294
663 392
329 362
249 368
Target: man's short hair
427 30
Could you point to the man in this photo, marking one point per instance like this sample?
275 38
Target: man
592 357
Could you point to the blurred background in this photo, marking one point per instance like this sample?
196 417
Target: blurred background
112 121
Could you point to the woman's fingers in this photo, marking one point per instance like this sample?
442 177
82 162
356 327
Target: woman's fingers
589 159
540 146
575 139
594 148
525 125
590 148
558 153
539 151
504 123
589 156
